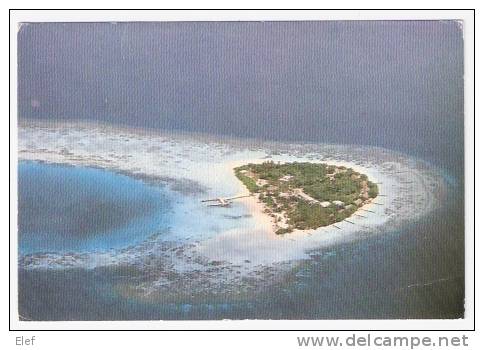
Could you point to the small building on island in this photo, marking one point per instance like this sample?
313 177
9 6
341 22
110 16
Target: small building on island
286 178
339 204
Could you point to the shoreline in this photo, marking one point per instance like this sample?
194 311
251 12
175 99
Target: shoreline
258 209
210 165
265 245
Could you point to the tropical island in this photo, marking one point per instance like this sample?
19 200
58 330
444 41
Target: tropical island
303 195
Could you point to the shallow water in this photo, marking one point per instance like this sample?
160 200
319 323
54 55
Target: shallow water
66 208
411 270
80 209
416 272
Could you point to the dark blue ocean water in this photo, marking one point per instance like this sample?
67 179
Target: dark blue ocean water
394 84
67 208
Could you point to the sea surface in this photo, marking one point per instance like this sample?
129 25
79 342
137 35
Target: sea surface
66 208
393 84
416 271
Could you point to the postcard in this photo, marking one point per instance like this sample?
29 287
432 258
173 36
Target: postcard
240 170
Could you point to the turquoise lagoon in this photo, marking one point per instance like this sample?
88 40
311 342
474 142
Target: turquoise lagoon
65 208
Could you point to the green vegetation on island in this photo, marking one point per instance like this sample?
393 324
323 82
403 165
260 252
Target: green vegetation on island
306 195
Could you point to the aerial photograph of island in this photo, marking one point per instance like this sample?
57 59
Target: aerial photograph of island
273 170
